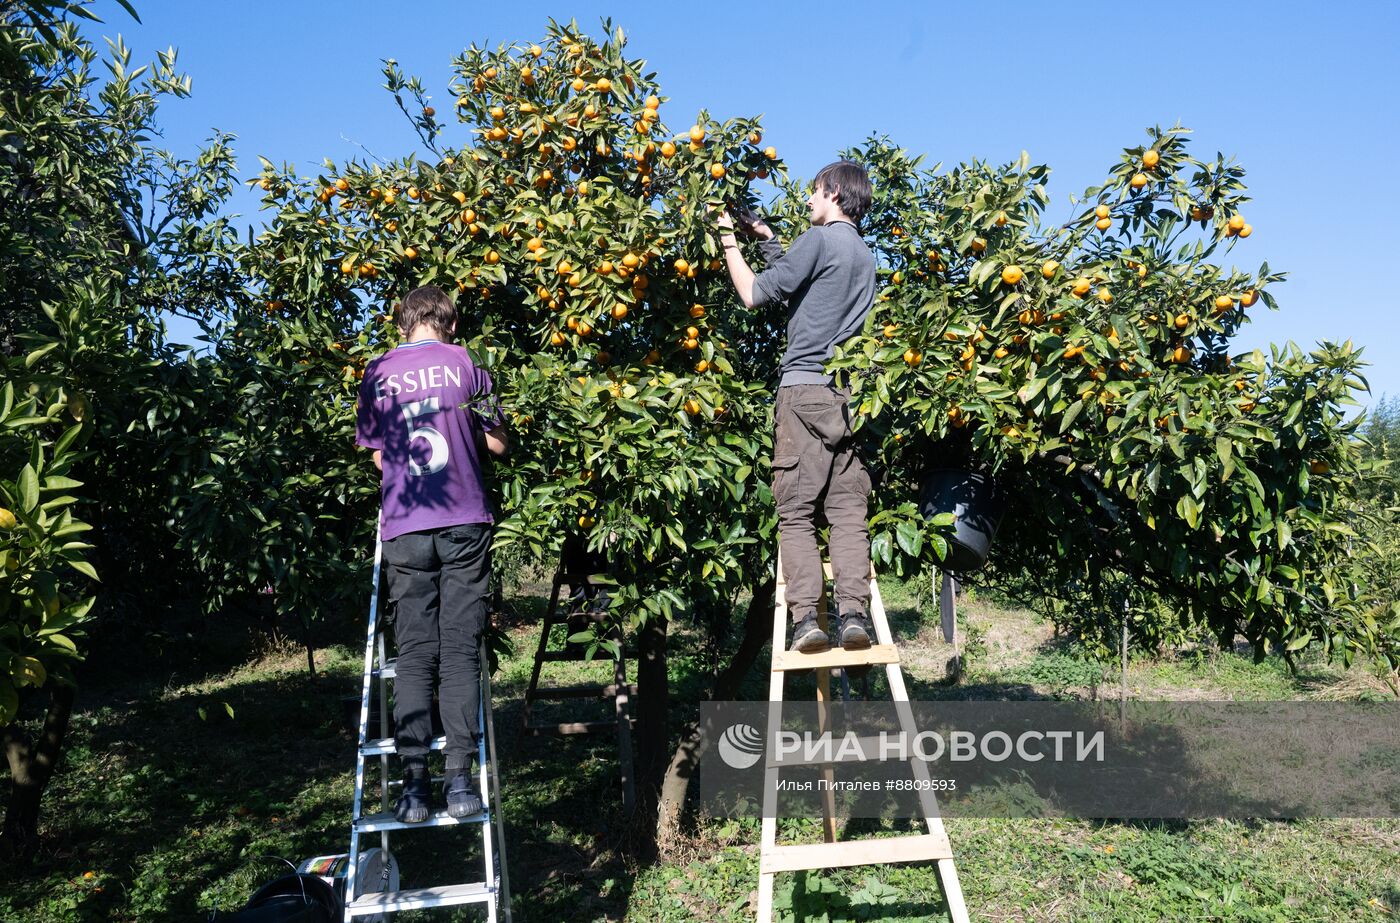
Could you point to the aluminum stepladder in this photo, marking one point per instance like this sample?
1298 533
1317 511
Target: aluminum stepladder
618 690
493 891
773 858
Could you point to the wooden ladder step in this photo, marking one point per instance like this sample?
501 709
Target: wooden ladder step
803 856
569 728
577 655
582 691
836 657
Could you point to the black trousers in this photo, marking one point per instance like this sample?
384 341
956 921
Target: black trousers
438 581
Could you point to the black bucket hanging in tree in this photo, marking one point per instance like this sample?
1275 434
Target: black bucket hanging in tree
972 498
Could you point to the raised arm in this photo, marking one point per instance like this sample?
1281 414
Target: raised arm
788 271
740 273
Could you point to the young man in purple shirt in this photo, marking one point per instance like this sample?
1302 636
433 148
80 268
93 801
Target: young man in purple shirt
428 411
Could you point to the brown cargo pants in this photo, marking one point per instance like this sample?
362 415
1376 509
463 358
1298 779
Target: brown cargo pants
815 469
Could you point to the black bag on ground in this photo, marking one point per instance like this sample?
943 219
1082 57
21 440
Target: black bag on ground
294 898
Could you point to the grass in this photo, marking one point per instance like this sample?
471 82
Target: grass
166 803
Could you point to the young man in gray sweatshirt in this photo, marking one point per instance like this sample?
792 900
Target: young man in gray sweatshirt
827 279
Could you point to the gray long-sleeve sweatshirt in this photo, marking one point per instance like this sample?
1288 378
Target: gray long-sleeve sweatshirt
827 278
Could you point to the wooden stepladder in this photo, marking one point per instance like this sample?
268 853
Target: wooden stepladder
580 606
775 858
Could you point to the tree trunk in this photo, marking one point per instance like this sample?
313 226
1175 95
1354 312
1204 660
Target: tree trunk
31 767
758 625
653 736
758 631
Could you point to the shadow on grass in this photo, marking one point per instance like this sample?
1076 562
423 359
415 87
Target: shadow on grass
159 803
1057 644
565 822
873 686
566 828
166 809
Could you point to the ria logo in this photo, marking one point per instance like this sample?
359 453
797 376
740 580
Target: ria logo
740 746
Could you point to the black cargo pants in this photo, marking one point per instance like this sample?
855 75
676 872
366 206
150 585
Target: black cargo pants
438 581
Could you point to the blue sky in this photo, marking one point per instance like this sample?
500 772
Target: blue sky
1302 95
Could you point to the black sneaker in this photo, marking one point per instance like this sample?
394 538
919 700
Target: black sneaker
413 805
462 799
855 632
809 638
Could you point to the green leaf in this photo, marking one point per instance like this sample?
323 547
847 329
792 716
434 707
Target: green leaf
67 616
910 538
84 568
131 11
28 488
28 671
1224 448
39 353
1068 419
880 548
1031 389
63 641
65 442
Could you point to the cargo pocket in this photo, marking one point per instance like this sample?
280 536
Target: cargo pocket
786 473
828 423
864 481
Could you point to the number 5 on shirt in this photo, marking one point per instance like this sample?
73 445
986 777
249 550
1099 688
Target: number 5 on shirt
437 443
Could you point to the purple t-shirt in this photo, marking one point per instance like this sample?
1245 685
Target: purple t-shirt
422 404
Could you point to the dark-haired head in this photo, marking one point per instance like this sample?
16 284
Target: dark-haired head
849 183
427 305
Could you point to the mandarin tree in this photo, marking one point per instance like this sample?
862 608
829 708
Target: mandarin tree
1088 365
572 221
